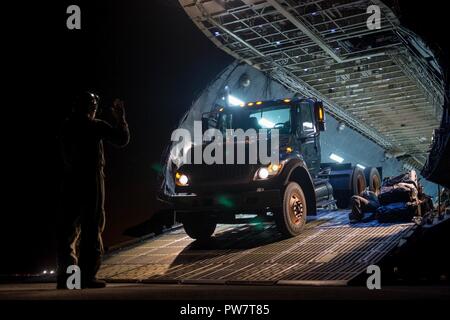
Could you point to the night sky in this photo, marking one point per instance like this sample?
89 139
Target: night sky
146 52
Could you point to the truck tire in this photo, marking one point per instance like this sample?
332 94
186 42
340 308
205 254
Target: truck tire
355 184
199 226
291 218
373 179
359 183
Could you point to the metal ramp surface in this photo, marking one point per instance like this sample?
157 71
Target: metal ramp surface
330 251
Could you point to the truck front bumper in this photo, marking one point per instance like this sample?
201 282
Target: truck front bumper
237 202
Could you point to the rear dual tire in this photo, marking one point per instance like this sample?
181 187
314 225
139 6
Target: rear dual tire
373 179
355 184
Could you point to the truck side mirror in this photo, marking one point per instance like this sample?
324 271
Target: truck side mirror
209 120
319 112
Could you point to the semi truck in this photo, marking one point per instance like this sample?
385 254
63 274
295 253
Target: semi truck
286 192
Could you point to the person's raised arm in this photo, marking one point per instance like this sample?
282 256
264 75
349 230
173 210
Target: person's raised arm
118 133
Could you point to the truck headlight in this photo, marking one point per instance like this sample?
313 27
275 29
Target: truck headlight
181 179
268 171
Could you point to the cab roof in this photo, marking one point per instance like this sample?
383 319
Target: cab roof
263 104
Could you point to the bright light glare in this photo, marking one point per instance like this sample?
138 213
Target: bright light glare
336 158
360 166
308 125
263 173
183 180
233 101
275 167
266 123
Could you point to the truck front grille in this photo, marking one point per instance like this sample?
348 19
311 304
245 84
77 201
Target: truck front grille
216 172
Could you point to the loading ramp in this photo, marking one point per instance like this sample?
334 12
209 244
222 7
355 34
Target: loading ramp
331 251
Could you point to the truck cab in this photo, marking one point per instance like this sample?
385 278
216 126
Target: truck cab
286 191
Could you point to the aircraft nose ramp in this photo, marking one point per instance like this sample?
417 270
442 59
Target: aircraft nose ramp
329 252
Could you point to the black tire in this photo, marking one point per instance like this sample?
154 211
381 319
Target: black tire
356 184
359 183
291 218
373 179
199 226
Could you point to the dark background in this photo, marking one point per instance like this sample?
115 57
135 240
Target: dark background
146 52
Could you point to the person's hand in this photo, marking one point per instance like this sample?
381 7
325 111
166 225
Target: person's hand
118 110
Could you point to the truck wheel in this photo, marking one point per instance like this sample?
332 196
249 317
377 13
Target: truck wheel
359 181
354 182
199 226
291 218
373 179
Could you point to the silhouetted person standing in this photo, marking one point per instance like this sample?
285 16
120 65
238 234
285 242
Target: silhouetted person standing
82 218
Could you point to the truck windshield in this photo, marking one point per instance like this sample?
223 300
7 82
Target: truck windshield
265 118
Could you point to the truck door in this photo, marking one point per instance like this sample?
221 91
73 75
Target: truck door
308 136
